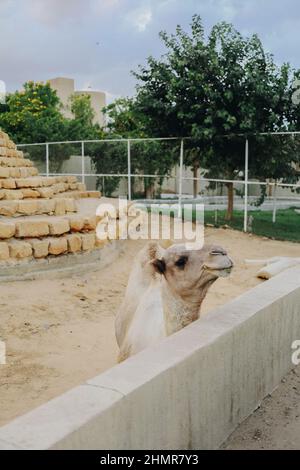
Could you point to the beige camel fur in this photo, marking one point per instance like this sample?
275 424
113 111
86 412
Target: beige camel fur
165 291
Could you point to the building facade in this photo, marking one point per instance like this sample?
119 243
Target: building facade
65 87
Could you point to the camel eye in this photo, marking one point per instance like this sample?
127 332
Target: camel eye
181 262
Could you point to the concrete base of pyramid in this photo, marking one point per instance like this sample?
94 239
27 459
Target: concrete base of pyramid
64 265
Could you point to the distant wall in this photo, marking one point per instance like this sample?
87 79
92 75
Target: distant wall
188 392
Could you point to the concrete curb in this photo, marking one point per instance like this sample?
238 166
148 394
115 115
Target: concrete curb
63 265
189 392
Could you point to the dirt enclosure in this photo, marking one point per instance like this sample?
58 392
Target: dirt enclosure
60 332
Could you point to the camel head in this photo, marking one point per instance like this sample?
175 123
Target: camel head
190 272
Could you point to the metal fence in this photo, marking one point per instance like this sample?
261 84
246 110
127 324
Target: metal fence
48 155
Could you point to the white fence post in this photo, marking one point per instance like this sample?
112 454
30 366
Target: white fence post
129 169
274 203
82 163
47 159
246 185
180 179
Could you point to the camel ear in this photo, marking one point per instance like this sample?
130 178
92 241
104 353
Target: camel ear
159 265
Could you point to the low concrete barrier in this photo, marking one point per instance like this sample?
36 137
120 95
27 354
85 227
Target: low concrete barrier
63 265
188 392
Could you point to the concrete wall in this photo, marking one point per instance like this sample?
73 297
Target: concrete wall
188 392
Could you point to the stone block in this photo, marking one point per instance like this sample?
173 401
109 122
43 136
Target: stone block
70 205
8 208
13 172
28 207
13 194
46 206
4 172
46 192
19 249
90 223
88 241
32 228
32 171
33 182
58 226
74 242
7 229
59 188
9 183
40 248
58 246
30 193
24 172
71 179
60 207
4 251
76 223
48 180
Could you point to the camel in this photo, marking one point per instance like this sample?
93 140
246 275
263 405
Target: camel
273 266
165 290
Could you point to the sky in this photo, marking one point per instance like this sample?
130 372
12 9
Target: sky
99 42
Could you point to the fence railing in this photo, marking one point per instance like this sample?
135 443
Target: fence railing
181 177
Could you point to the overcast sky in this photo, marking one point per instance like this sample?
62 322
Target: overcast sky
98 42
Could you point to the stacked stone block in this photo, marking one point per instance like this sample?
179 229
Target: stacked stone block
38 214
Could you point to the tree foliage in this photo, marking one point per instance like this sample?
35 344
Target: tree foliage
147 157
219 90
35 115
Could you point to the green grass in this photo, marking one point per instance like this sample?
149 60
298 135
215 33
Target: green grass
287 226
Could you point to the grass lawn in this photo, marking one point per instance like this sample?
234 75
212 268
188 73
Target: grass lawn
287 226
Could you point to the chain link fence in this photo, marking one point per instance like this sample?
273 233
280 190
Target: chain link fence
173 170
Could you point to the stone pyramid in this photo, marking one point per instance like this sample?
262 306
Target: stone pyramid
39 215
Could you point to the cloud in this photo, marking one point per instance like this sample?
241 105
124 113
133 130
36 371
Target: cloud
140 18
50 12
227 8
104 6
98 42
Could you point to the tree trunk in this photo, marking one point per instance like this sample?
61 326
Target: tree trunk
150 191
230 194
195 182
270 190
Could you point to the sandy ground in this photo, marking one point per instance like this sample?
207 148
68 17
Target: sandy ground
275 424
60 333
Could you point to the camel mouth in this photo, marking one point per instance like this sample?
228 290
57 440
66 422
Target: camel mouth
221 272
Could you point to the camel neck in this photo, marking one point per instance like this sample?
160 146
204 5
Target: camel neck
177 311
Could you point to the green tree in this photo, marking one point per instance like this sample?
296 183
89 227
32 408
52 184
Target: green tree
34 115
217 90
147 157
82 126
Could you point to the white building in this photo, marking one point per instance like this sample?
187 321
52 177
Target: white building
65 87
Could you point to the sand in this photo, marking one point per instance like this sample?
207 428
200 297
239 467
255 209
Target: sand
60 333
275 425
